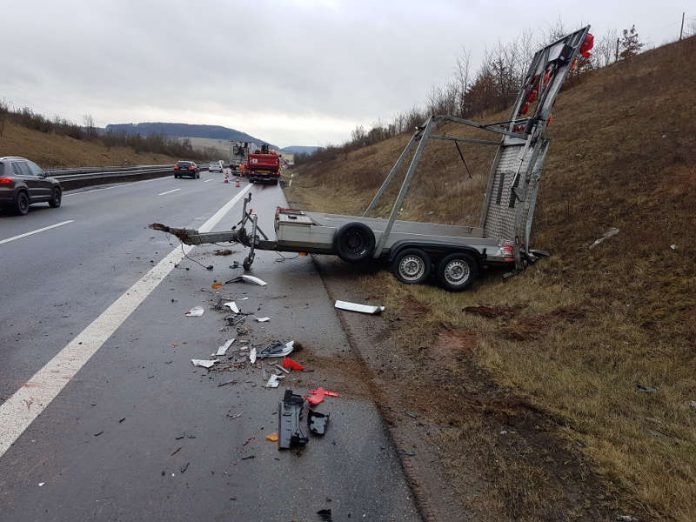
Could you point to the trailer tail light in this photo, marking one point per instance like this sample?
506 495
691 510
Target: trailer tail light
507 251
587 45
6 181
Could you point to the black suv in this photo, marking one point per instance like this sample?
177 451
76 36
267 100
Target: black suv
23 182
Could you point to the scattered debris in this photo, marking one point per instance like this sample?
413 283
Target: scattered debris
247 279
317 422
262 319
409 453
177 450
196 311
609 233
316 397
183 468
277 349
98 433
41 484
282 369
121 420
289 364
673 247
233 415
223 252
272 381
252 355
692 404
216 285
249 457
272 437
226 383
411 414
355 307
232 306
204 363
645 389
222 350
325 515
289 426
627 518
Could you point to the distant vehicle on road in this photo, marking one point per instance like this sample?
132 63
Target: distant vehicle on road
186 168
216 166
23 183
264 166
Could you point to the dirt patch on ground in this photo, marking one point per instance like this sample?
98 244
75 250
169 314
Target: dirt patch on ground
472 450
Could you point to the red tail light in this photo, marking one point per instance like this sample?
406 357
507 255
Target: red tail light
6 181
191 167
176 167
507 250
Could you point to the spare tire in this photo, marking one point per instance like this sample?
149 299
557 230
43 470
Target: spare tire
354 242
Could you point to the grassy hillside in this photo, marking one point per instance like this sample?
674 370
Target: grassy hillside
577 333
51 150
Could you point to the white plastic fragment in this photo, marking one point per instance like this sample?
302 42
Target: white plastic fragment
204 363
232 306
272 381
609 233
248 279
41 484
196 311
262 319
222 350
252 355
355 307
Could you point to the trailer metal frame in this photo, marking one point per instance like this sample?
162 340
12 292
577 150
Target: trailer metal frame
504 232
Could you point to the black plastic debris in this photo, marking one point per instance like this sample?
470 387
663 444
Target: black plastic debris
290 434
325 515
276 349
317 422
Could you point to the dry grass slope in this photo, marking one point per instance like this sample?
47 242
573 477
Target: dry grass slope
51 150
582 329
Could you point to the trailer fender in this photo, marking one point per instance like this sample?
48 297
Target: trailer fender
354 242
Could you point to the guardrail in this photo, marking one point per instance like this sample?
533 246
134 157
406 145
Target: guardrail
76 177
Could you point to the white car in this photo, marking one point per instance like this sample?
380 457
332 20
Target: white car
216 166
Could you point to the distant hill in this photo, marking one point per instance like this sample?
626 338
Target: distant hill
299 149
183 130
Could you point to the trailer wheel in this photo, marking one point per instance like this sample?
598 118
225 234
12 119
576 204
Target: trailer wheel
456 272
411 266
354 242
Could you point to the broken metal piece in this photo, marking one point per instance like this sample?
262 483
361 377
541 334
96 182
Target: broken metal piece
277 349
247 279
281 368
196 311
222 350
232 306
355 307
609 233
204 363
317 422
289 426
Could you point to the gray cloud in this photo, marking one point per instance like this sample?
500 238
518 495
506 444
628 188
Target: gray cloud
292 72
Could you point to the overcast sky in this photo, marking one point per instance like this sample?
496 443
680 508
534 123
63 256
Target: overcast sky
293 72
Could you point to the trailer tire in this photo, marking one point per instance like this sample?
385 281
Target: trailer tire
354 242
456 272
412 266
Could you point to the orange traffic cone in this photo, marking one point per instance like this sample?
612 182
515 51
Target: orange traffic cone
227 180
237 185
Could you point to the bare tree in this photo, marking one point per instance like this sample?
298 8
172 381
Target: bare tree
630 44
603 52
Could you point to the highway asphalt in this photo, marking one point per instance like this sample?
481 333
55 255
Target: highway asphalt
102 414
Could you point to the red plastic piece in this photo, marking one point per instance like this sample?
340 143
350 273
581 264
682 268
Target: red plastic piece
587 45
289 364
317 396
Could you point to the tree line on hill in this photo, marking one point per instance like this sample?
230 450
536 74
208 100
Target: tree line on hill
492 88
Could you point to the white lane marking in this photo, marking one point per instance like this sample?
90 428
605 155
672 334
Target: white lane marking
168 192
21 409
20 236
87 191
207 180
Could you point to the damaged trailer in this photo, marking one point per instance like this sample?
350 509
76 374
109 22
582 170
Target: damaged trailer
455 253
